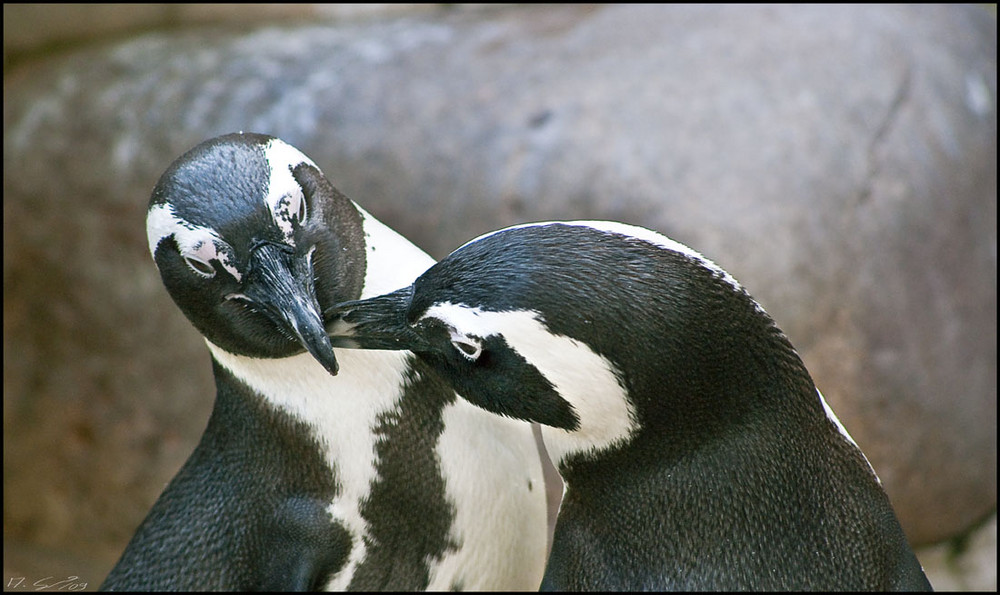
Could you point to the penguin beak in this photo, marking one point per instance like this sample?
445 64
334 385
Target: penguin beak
375 323
281 286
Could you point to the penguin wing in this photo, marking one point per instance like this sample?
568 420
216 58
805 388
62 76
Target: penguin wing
303 548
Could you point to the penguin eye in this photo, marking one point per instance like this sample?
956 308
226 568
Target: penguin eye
199 266
300 214
469 347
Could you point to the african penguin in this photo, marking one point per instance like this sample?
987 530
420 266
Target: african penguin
319 469
696 450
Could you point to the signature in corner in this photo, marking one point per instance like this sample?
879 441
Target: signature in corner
49 583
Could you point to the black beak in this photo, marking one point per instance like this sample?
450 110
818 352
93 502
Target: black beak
376 323
280 284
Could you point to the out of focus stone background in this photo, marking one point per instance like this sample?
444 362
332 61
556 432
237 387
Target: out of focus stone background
841 162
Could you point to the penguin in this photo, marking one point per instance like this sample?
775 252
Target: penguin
696 451
319 469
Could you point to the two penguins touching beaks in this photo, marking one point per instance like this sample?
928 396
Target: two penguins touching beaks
370 422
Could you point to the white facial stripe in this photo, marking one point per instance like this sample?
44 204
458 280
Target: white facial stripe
195 241
284 195
160 223
583 378
843 431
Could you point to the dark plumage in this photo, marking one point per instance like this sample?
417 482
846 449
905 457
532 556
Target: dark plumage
697 452
370 477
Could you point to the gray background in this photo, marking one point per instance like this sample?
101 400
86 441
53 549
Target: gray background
839 161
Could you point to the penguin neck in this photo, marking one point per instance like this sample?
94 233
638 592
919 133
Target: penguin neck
687 427
749 380
678 386
392 261
343 413
722 491
340 410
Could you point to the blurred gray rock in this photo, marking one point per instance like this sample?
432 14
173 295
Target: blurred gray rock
968 563
839 161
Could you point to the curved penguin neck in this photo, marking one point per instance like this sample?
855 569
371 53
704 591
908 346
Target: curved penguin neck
744 385
661 442
391 261
341 408
728 451
340 412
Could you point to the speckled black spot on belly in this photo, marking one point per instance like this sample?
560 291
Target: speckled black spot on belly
408 514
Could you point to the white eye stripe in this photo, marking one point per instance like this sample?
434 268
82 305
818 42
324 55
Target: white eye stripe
302 213
470 347
288 209
199 266
194 242
284 195
586 380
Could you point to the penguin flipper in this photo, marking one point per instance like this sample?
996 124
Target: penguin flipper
304 547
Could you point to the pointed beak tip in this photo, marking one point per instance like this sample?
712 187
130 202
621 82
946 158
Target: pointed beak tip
373 323
283 287
319 346
332 368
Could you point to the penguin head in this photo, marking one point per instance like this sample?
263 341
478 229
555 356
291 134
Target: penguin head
466 345
543 322
596 328
253 243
